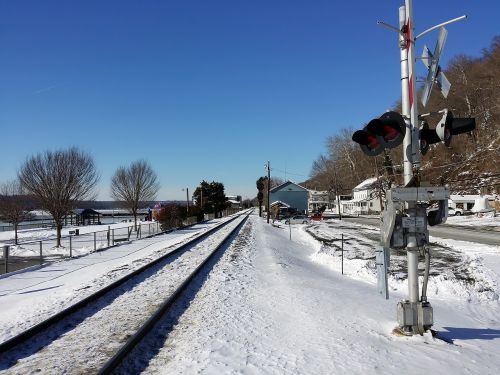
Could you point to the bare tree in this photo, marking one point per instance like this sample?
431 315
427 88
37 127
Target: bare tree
59 179
13 205
134 185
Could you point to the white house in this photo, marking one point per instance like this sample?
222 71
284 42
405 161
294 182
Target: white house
333 209
318 199
234 200
365 199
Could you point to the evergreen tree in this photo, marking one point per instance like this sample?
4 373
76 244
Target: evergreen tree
211 197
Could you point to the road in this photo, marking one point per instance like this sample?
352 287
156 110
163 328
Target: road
486 237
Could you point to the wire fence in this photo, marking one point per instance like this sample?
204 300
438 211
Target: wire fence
39 251
33 252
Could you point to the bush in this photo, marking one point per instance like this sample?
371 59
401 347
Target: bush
169 216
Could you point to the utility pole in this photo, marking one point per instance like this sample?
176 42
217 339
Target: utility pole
187 200
337 197
268 190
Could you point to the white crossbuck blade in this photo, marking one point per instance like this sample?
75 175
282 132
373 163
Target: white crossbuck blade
434 70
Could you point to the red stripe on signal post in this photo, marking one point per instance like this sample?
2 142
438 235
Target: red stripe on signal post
408 46
410 88
408 34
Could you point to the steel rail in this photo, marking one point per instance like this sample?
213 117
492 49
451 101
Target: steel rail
52 320
146 328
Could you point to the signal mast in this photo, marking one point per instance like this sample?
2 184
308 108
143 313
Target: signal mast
406 216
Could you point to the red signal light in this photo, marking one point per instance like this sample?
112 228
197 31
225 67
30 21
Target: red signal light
370 144
387 131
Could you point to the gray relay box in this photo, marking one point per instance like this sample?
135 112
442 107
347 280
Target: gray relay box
409 316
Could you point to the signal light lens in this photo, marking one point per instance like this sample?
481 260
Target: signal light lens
390 133
391 127
370 144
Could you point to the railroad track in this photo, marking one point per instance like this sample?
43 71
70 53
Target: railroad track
97 333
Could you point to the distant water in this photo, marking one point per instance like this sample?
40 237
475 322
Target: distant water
44 223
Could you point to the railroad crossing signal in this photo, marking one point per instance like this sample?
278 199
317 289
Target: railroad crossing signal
387 131
405 219
445 129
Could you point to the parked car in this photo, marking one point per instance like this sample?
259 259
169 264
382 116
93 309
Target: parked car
316 217
298 219
455 211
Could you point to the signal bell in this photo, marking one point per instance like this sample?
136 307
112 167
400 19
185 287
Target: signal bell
387 131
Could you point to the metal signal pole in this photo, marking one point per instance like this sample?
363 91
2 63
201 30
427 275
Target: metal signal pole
406 205
411 143
268 190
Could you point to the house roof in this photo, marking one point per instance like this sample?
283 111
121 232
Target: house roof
85 211
366 184
279 187
318 192
357 200
280 203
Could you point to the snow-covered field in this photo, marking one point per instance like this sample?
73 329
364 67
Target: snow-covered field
37 234
279 306
29 239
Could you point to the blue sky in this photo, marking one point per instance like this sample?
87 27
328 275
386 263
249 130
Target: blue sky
206 89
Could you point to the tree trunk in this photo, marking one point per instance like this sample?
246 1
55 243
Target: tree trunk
15 232
260 208
59 228
135 220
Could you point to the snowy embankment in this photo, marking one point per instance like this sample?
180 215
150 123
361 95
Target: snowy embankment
266 307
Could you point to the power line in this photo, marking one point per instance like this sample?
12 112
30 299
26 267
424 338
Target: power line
287 172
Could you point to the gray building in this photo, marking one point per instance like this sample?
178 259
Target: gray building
291 194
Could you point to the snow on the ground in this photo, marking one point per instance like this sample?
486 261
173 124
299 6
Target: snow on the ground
477 220
459 269
267 307
106 324
29 239
36 234
30 296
